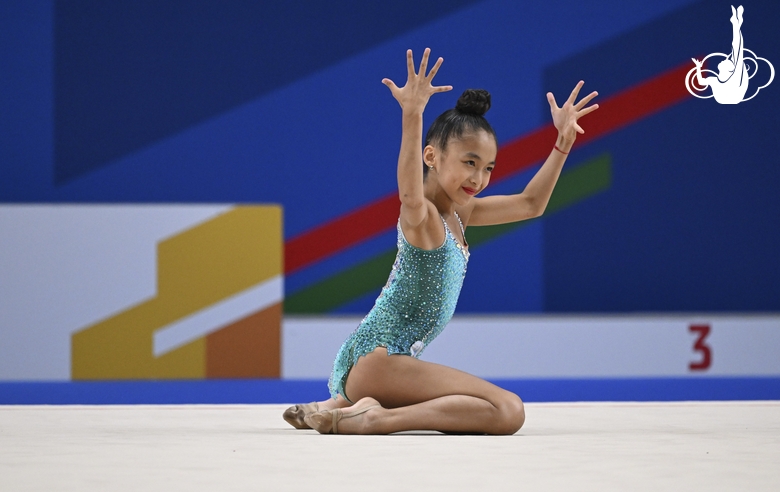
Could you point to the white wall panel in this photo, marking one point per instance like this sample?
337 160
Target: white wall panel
564 347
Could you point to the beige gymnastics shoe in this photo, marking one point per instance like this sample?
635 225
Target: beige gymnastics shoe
327 421
295 414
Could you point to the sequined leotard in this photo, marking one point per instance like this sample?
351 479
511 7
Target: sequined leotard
413 307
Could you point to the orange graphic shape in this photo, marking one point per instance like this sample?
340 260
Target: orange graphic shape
248 348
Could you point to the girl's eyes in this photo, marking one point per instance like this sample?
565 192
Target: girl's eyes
473 163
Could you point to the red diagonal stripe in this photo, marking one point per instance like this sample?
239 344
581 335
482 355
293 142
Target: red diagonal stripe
615 112
331 237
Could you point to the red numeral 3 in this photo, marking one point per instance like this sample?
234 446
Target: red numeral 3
702 347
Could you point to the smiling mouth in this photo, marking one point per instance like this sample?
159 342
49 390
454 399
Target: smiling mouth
470 191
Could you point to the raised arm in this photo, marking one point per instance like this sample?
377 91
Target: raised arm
533 200
413 97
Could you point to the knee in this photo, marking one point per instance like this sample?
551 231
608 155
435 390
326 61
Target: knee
511 414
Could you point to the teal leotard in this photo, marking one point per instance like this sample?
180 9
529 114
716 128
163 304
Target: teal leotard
413 307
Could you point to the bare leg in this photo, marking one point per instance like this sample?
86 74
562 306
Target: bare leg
332 403
421 395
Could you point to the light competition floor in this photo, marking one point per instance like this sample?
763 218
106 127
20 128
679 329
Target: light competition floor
707 446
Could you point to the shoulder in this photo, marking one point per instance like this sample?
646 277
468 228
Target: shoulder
465 211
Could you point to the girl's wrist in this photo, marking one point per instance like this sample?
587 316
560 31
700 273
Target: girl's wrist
564 144
412 111
410 118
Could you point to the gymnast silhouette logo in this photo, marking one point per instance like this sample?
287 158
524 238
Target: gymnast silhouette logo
730 84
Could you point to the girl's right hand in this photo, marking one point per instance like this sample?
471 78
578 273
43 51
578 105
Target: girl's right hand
413 97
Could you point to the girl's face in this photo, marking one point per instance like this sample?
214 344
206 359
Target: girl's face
463 169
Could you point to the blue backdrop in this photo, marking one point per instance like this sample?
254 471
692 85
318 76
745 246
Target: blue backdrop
205 101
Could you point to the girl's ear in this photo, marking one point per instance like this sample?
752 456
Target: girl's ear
429 155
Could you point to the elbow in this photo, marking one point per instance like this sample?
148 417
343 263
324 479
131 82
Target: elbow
531 206
536 209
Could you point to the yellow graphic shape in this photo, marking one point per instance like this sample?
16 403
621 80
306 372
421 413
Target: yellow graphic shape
195 269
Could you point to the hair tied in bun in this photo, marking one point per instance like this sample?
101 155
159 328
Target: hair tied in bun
467 117
474 101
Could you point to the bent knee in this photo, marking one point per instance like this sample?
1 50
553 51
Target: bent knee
511 414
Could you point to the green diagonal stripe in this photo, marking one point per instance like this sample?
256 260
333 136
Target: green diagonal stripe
342 287
588 179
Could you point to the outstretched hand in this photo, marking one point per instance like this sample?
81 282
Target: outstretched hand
414 95
565 118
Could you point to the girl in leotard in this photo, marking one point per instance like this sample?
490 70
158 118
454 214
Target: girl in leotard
378 384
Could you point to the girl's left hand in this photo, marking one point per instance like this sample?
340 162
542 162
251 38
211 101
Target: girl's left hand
565 118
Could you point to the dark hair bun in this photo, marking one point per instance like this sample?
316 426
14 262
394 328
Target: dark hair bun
474 101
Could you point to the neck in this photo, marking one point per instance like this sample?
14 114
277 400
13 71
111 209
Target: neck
437 196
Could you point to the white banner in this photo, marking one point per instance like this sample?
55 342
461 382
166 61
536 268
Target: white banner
566 346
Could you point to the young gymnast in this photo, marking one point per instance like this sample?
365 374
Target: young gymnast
378 384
